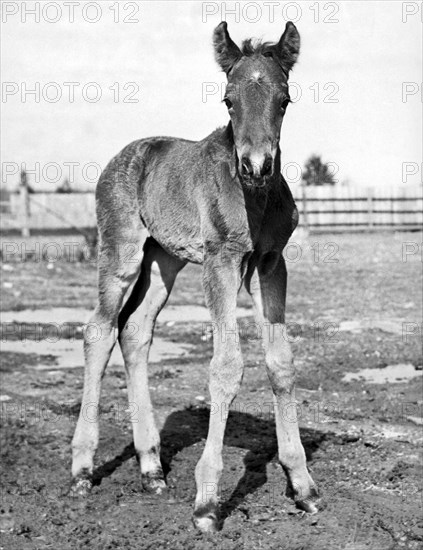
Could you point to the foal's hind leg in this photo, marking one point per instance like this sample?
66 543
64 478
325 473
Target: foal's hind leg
115 274
268 291
136 325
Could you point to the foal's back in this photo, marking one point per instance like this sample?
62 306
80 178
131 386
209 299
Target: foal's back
183 192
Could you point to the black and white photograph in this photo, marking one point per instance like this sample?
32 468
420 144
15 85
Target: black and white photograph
211 275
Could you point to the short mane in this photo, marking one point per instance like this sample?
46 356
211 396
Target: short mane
252 46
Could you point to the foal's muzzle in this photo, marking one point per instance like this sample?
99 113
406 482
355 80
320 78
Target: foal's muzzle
256 170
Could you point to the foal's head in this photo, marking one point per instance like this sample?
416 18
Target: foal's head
257 97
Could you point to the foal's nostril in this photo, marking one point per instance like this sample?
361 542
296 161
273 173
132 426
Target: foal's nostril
247 167
267 167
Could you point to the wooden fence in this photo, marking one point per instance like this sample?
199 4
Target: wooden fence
331 208
321 209
47 211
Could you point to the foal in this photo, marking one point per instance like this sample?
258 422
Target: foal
221 202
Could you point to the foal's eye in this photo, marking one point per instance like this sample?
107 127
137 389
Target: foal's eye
285 103
228 103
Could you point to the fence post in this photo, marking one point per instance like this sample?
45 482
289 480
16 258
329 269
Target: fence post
370 207
304 201
24 194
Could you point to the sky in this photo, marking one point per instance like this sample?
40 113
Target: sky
139 69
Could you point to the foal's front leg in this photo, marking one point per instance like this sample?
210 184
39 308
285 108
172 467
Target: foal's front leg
222 279
268 290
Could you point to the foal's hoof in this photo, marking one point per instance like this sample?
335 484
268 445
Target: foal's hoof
309 504
81 486
153 482
206 519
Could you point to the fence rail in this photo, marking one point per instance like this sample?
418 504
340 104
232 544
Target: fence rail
321 209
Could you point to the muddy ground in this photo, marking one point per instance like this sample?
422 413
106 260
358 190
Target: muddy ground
362 433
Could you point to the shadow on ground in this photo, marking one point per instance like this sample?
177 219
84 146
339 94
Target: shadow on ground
186 427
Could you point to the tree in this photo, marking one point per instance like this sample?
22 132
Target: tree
317 172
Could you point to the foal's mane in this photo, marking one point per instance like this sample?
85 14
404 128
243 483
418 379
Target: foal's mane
252 46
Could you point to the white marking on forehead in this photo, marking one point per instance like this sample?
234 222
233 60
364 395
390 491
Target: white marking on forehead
255 76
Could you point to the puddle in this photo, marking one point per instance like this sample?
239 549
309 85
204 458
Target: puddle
387 325
392 374
61 315
70 354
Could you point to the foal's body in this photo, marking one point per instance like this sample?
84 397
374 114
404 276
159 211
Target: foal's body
163 202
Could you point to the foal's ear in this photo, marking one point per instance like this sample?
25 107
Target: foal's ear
226 51
288 47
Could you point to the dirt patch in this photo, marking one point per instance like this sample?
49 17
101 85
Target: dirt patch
363 440
365 459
